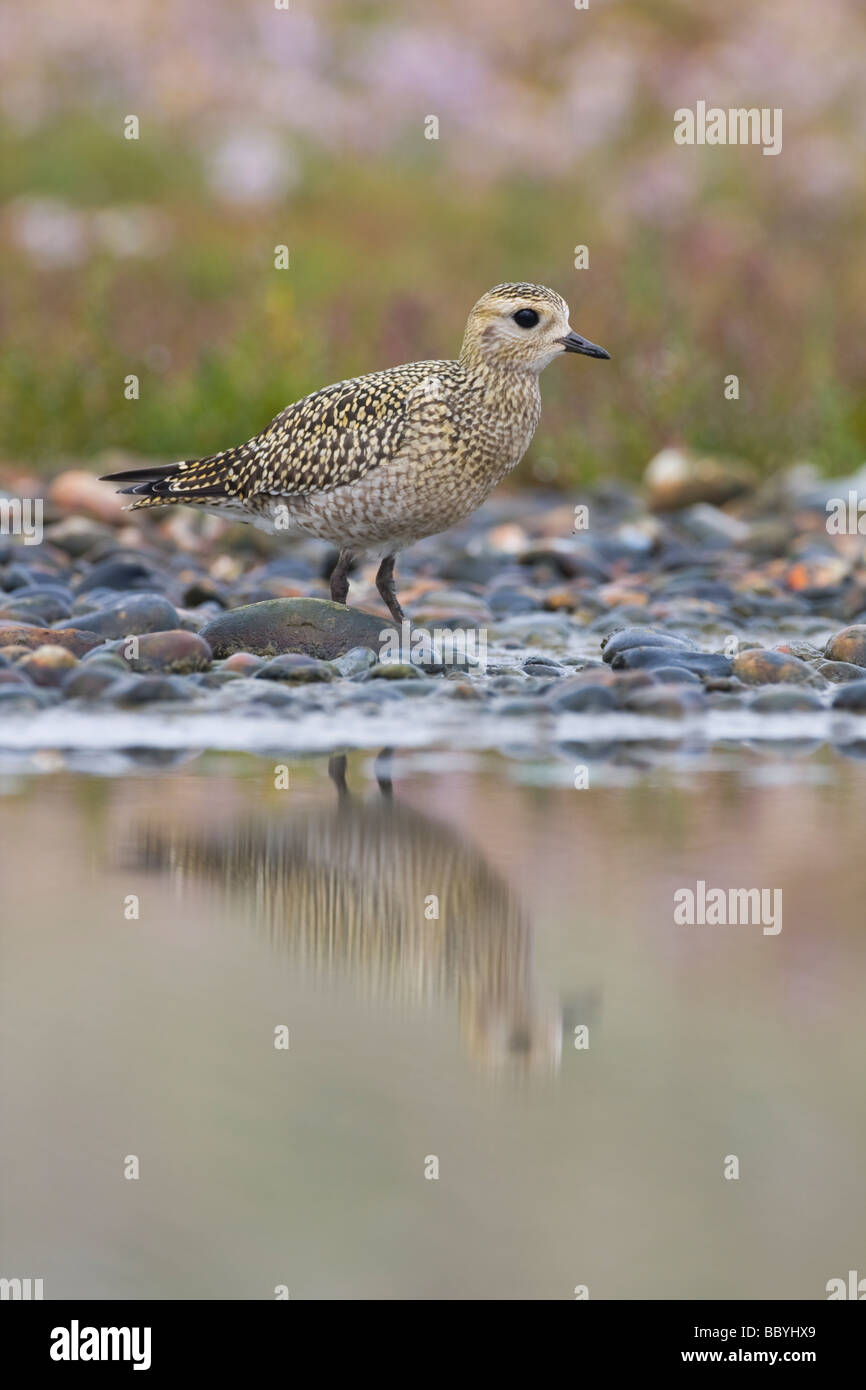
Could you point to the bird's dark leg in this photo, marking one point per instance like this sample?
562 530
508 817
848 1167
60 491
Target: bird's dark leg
383 768
340 577
385 585
337 774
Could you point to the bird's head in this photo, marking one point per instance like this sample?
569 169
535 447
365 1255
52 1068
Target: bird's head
522 327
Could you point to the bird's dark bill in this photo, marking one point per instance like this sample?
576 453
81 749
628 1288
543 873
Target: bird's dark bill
572 342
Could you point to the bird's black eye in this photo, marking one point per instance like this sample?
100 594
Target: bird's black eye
525 318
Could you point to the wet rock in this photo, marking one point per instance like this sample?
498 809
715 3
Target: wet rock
205 590
82 493
838 672
438 605
244 663
851 697
676 675
214 680
711 524
676 478
583 698
518 707
177 653
315 626
47 608
13 614
806 651
509 600
630 637
127 617
21 699
661 703
76 536
761 667
543 666
48 665
121 574
724 685
818 575
72 638
699 663
295 668
396 671
89 681
355 662
848 645
148 690
725 699
273 696
107 655
782 700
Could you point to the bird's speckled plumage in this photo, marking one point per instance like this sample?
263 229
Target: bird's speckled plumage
375 463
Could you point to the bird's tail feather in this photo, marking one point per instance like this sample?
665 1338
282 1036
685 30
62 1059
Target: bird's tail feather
194 480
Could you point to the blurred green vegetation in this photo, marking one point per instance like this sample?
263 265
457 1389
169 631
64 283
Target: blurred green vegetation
386 260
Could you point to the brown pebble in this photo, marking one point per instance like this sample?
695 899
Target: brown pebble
848 645
72 638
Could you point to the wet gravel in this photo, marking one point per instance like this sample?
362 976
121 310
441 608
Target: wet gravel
673 612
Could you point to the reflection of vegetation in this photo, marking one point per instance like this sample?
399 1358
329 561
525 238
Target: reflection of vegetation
385 263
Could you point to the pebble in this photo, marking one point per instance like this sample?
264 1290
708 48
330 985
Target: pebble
543 666
632 616
676 675
21 699
663 703
295 668
630 637
48 665
397 671
49 608
355 662
583 698
838 672
130 616
29 638
677 478
244 663
122 575
315 626
763 667
89 681
851 697
699 663
176 653
781 700
148 690
848 645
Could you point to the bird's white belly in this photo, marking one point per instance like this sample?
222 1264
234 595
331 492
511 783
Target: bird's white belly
381 513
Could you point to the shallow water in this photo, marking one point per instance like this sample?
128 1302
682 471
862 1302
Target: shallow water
310 907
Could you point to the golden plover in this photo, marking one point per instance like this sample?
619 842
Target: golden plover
377 462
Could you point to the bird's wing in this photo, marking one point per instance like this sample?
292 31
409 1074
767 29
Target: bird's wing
319 443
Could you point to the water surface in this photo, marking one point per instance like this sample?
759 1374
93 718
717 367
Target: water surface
412 1036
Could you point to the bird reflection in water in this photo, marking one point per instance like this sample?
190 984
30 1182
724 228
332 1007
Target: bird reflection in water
347 889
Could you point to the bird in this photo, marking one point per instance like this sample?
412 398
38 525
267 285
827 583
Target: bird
377 462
